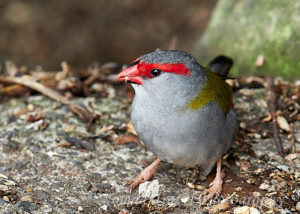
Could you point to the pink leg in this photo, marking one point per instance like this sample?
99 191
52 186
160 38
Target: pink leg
146 174
216 187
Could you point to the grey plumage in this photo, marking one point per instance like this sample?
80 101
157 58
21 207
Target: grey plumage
185 138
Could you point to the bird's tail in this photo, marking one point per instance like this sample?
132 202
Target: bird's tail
220 66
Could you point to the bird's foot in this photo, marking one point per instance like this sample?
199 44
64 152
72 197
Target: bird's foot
145 175
216 187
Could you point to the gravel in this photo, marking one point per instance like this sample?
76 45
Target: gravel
54 165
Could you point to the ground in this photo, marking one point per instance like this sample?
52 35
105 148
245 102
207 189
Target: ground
54 165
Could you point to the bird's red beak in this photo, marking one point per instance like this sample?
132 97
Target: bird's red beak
131 74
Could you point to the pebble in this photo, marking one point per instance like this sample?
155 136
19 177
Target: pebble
6 198
104 207
185 199
246 210
149 189
28 198
34 125
256 194
298 206
254 211
47 210
27 206
190 185
268 202
283 168
219 207
257 136
285 211
264 186
283 124
3 188
200 187
3 176
243 125
238 189
292 157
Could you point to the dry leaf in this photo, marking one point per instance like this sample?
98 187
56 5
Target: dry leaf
106 128
130 128
123 139
267 118
34 117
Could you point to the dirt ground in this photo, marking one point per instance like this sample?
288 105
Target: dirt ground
54 165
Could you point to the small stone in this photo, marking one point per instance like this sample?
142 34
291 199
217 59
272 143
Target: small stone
243 125
30 107
200 187
283 168
47 210
3 188
254 211
283 124
80 208
256 194
257 136
104 207
27 206
250 181
285 211
190 185
242 210
219 207
3 176
6 198
246 210
185 199
28 198
258 171
238 189
149 189
292 157
9 183
268 202
298 206
264 186
35 125
282 184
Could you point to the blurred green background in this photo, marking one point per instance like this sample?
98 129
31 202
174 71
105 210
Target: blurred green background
262 37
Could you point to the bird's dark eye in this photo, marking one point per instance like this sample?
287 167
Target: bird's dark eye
155 72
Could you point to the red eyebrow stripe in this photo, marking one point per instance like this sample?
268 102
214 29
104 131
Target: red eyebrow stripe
176 68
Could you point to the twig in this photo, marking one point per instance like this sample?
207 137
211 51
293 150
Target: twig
27 81
99 74
272 103
293 146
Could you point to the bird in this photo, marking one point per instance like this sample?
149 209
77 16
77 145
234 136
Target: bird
182 111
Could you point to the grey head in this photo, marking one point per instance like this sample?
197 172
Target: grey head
172 57
172 79
170 88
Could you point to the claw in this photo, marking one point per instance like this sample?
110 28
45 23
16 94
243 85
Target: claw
216 187
145 175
